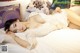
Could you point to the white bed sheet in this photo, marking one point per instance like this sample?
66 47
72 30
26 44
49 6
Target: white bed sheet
59 41
63 41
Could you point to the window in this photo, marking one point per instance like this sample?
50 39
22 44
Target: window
63 3
77 2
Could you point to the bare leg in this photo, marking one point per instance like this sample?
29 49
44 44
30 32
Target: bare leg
73 17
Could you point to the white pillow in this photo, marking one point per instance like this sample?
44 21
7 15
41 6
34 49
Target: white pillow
1 36
5 37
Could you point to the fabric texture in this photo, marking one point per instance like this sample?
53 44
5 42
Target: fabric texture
9 12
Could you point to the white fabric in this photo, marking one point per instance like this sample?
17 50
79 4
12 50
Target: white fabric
53 22
1 36
59 41
62 41
14 48
6 38
31 40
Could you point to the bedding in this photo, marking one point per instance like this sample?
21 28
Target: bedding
64 40
59 41
9 12
49 23
4 38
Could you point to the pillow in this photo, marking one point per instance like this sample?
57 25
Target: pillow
9 12
1 36
5 38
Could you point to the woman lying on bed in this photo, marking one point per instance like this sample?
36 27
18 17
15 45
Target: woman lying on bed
39 25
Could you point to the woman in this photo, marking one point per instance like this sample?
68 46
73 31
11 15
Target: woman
38 27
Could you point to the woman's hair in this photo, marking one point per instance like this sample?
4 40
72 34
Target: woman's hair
8 23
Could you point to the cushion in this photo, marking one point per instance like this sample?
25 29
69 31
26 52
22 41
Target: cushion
1 36
4 38
9 12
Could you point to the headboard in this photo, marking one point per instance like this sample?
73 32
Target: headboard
9 12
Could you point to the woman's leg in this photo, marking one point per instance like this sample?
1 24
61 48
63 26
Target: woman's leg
73 17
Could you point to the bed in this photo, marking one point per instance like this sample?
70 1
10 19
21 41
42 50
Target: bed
59 41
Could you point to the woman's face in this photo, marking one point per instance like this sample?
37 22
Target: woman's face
17 27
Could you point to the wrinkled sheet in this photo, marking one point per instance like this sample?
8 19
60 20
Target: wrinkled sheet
59 41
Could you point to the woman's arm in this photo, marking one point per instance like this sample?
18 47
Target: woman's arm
20 41
73 17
